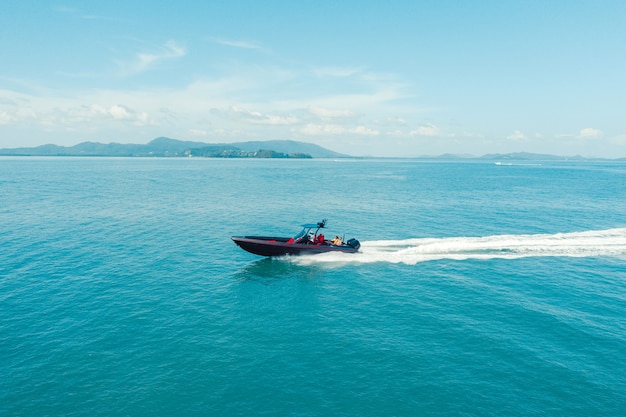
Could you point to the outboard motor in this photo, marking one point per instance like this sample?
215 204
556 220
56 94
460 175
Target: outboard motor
353 243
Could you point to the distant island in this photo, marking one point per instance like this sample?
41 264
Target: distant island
172 148
519 157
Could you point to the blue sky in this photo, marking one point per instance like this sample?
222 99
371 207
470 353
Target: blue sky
403 78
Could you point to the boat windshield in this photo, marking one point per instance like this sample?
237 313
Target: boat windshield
308 229
302 234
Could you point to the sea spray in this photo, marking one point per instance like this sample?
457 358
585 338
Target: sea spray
593 243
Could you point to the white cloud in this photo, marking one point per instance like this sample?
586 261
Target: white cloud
426 130
93 116
517 135
366 131
116 112
396 121
145 61
235 43
619 140
276 120
119 112
6 118
590 132
198 132
564 136
256 117
313 129
396 133
325 114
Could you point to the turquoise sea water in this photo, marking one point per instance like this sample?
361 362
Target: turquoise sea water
480 289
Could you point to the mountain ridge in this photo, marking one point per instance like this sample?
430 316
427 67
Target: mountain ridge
168 147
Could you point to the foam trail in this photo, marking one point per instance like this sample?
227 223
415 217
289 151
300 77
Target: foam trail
611 242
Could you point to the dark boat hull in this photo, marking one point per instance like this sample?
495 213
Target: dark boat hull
279 246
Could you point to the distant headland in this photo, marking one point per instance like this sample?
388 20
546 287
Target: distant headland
167 147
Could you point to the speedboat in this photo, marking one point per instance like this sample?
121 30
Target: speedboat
308 241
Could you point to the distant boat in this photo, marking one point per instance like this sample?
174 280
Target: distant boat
308 241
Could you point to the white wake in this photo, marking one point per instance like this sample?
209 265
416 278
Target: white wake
592 243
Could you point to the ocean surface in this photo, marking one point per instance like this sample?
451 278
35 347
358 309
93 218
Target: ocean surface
479 290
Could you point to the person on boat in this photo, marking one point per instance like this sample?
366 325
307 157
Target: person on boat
319 240
337 241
